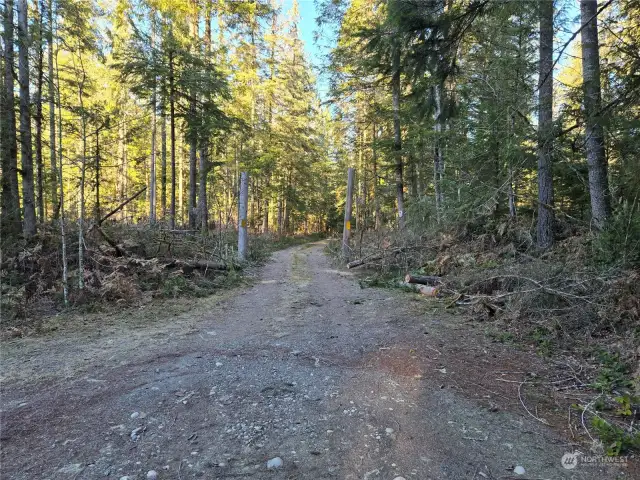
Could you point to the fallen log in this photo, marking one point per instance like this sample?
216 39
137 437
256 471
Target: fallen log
423 279
373 258
122 205
196 265
119 250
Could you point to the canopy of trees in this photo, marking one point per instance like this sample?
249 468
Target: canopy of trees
447 110
174 97
454 110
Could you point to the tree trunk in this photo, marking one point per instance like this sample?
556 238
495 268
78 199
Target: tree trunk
594 143
52 113
545 127
83 159
152 174
163 165
193 180
438 157
38 116
63 241
97 168
172 120
203 211
10 198
376 181
28 195
193 134
265 216
397 134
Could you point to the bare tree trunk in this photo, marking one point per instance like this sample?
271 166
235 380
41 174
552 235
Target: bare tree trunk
37 99
96 214
65 283
511 193
596 159
545 127
152 174
203 210
83 163
163 165
52 112
28 195
193 134
172 120
242 215
280 214
193 180
438 157
10 198
397 134
376 181
265 216
181 179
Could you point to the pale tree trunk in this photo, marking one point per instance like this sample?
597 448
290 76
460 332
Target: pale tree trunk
397 134
265 217
280 214
594 141
52 113
97 168
63 240
438 157
376 181
37 99
545 127
203 212
28 195
152 174
172 120
511 193
193 136
10 198
193 159
83 159
163 163
181 178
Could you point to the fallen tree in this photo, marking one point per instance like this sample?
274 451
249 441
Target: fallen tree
375 257
430 280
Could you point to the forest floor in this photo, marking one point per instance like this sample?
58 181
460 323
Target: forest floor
303 364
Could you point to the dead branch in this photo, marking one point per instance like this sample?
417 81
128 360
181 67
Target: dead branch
122 205
379 256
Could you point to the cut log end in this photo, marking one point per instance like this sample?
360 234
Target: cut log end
423 279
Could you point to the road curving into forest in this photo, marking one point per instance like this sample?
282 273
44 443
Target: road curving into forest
338 381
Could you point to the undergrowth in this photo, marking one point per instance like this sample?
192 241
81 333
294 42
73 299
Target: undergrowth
576 303
148 263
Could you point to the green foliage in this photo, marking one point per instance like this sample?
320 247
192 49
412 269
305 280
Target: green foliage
619 243
616 440
499 336
613 373
543 338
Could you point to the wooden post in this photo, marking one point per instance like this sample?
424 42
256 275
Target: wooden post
242 215
347 215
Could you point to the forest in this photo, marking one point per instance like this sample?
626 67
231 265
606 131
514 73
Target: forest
142 114
495 148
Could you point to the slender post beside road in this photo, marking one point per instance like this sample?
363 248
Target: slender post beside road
347 215
242 216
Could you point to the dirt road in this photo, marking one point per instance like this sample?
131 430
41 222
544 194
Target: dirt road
338 381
